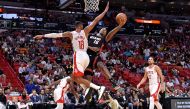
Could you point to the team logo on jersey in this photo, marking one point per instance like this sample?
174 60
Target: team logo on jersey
79 38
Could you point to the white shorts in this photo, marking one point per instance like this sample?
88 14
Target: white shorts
154 90
59 95
80 62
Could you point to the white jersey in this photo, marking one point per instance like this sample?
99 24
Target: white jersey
152 75
61 89
64 84
79 41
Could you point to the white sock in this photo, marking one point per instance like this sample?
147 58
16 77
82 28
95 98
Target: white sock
83 86
158 105
151 106
94 86
59 106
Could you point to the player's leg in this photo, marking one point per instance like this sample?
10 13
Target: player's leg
154 92
104 70
79 73
89 76
151 104
81 61
158 105
156 102
78 78
59 106
89 84
59 98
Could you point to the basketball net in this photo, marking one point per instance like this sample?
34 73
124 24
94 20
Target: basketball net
91 5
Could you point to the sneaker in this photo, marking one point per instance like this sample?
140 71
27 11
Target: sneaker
88 94
101 91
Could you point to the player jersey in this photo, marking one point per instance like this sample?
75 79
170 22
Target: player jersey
79 41
96 40
152 75
63 83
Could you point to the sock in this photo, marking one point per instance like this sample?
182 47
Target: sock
151 105
94 86
59 106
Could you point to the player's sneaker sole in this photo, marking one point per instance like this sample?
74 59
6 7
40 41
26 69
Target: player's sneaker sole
101 91
88 94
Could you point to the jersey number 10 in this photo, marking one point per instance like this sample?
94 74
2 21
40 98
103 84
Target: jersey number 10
81 44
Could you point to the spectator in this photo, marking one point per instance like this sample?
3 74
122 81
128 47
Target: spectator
43 97
175 72
3 76
135 100
22 70
130 102
146 53
30 68
69 101
24 97
143 99
29 87
170 83
34 97
48 94
120 81
23 100
3 99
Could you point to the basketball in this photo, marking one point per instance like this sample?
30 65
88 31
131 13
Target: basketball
121 16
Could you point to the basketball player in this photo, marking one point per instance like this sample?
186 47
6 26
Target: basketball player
80 44
96 44
63 85
154 74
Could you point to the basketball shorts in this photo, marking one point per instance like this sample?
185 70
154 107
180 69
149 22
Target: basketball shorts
80 62
59 95
154 90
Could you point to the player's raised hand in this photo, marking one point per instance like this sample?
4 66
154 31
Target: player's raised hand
122 22
107 7
38 37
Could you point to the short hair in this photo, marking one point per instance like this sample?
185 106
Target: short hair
77 23
151 57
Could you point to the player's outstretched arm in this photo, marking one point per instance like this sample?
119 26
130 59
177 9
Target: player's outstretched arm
96 20
54 35
111 34
143 80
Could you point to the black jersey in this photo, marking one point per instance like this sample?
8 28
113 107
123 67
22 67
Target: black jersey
96 40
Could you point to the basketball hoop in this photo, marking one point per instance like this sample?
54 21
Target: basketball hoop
91 5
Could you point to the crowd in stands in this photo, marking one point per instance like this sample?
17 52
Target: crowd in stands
40 62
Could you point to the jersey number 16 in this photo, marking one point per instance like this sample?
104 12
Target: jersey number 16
81 44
